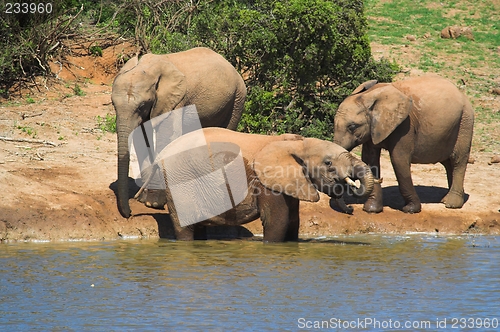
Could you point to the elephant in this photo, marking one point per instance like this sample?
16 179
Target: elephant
419 120
153 85
276 173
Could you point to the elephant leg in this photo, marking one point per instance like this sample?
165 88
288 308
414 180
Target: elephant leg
371 156
292 233
457 163
339 203
154 198
401 162
200 232
455 170
181 233
275 215
449 171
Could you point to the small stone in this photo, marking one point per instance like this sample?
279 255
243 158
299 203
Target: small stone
445 33
427 35
494 160
411 38
495 91
467 33
471 160
455 31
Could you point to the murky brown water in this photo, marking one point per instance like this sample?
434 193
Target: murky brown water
248 285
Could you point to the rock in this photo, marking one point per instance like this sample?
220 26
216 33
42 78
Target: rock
445 33
494 160
411 38
471 160
427 35
456 31
467 33
495 91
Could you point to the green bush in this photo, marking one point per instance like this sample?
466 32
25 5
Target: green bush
107 123
299 58
27 40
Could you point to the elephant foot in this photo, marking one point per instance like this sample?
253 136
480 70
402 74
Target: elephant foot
374 204
340 204
371 206
155 198
412 207
453 200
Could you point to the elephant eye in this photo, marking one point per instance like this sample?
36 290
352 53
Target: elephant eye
328 163
352 127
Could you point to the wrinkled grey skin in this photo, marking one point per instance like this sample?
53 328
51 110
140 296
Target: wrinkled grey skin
280 171
420 120
157 84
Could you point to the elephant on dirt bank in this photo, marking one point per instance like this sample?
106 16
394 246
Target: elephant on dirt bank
419 120
259 176
157 84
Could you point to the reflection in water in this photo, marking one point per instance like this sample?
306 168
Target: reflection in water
228 285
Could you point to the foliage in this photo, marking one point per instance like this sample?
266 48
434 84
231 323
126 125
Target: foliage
28 41
299 58
107 123
78 91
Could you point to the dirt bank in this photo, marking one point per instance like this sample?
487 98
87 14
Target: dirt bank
63 189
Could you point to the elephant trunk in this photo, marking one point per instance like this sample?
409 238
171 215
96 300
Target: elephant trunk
123 131
362 172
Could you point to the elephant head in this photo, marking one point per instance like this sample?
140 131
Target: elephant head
302 167
142 90
373 111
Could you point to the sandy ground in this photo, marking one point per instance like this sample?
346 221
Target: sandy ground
63 189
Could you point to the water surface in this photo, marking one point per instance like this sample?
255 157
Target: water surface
247 285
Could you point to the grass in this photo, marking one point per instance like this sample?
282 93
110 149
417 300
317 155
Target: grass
78 91
27 129
107 123
474 65
30 100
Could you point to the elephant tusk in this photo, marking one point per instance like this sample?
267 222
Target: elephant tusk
352 183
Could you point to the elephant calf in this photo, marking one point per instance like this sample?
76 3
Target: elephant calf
420 120
276 173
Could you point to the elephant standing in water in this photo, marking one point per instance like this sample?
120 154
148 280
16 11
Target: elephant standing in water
260 176
157 84
419 120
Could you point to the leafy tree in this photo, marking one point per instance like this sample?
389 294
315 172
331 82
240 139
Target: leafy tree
27 40
299 58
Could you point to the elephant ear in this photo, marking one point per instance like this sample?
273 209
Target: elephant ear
129 65
170 88
280 169
364 86
388 108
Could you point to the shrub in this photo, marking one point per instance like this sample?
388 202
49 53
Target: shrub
301 58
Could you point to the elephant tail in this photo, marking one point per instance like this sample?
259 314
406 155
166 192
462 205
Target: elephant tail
239 104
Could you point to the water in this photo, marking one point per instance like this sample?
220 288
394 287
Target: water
163 285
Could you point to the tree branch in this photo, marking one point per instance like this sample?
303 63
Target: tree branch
27 140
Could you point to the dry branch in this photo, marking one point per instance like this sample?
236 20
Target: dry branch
27 140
